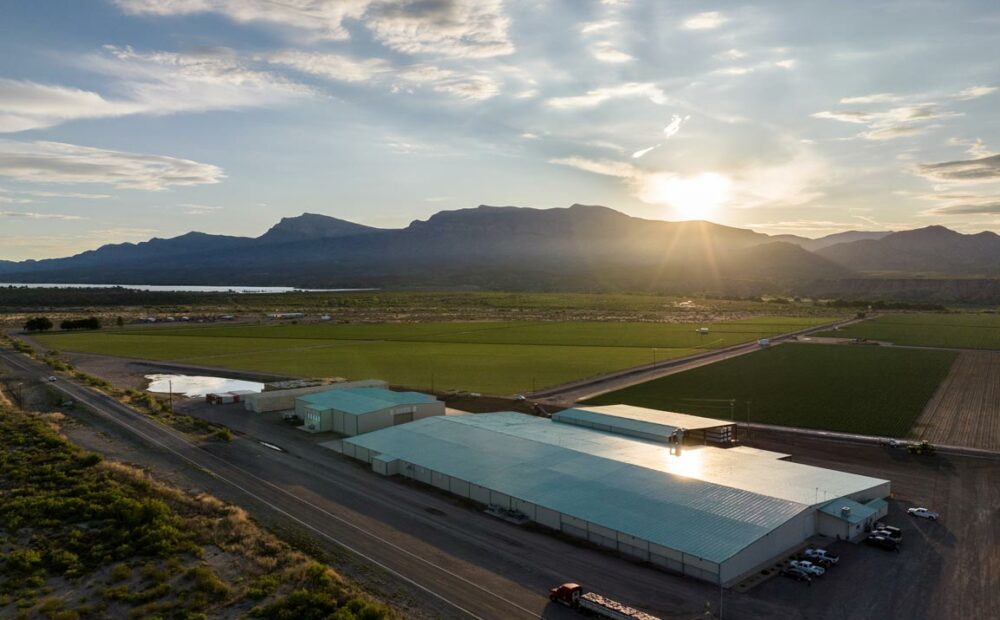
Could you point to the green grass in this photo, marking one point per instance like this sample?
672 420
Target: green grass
963 331
100 539
487 357
867 390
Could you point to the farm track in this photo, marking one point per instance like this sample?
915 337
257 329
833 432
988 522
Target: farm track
965 410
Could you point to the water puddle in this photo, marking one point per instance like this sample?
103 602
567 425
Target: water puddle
199 386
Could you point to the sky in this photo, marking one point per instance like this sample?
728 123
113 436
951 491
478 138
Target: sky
121 120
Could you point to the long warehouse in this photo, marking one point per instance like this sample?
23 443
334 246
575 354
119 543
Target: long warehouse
715 514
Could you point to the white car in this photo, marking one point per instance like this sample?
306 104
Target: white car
821 554
923 513
807 567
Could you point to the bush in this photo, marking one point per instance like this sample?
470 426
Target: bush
38 324
88 323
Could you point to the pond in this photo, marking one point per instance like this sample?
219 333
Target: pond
188 385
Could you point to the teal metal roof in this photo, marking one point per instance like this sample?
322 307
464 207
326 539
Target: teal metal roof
621 483
859 512
358 401
877 504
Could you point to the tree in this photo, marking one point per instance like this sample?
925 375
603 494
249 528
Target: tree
120 322
88 323
38 324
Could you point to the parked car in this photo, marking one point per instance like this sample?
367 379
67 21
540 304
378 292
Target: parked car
53 378
797 574
882 542
923 513
889 530
821 554
810 568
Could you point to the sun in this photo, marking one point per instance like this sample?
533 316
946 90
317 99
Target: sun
691 198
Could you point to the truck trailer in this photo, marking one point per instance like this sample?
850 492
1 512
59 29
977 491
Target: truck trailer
572 595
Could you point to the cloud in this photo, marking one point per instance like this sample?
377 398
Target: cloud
897 122
75 195
963 203
337 67
599 26
896 131
976 148
152 83
331 66
57 162
454 28
209 79
876 98
974 92
29 105
670 130
605 51
788 63
472 87
731 54
321 17
981 170
596 97
606 167
703 21
191 208
39 216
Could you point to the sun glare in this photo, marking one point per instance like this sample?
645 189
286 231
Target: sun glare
690 198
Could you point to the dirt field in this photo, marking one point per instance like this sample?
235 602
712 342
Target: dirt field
965 410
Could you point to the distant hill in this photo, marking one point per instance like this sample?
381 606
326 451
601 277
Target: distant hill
309 226
822 242
934 250
579 248
576 248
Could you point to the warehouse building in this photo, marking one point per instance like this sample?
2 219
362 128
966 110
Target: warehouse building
712 513
651 424
283 399
354 411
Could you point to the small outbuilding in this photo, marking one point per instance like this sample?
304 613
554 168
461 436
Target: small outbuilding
361 410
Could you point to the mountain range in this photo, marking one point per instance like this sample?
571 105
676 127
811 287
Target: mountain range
576 248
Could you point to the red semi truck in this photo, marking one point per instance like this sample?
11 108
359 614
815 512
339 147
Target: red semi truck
572 595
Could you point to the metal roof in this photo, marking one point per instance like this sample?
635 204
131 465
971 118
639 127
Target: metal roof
358 401
859 512
688 503
642 418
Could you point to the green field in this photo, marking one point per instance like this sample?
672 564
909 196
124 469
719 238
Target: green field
963 331
487 357
867 390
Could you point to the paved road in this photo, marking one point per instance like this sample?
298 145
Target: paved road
569 393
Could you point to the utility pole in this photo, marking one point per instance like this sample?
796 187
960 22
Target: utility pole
170 392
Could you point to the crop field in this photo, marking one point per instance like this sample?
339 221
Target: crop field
868 390
486 357
963 331
965 411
